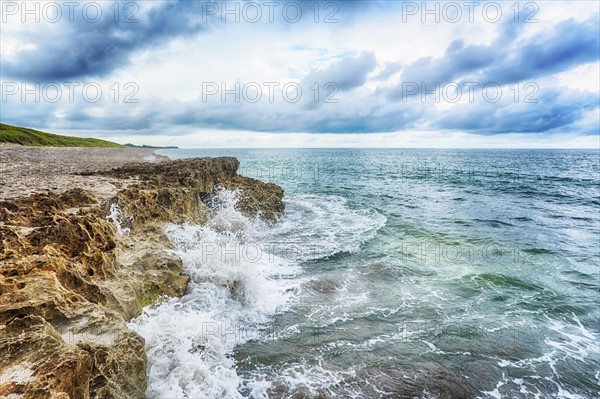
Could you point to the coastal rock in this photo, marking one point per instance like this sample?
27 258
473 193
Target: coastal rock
169 191
37 363
75 268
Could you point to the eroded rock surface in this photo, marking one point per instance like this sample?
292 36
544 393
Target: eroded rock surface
75 267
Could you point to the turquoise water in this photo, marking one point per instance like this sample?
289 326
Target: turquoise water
402 273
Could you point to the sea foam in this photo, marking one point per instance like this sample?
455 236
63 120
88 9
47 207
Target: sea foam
243 272
232 293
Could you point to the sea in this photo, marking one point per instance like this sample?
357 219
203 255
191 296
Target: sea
419 273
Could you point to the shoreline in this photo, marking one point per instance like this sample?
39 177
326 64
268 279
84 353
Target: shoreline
83 251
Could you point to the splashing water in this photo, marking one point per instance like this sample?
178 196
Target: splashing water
118 219
397 280
232 293
243 272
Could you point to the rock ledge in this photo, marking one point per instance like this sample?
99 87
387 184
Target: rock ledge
75 268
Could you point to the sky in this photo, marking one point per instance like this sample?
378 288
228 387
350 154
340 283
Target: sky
224 74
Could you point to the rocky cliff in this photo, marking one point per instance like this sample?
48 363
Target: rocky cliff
75 268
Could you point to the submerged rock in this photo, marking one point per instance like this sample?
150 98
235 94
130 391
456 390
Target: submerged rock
75 270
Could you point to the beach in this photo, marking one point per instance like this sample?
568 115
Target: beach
27 170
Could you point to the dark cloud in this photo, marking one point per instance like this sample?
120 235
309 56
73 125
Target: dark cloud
332 120
508 59
80 48
457 61
84 48
556 110
340 77
347 73
569 44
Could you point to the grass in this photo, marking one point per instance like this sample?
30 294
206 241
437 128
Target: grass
35 138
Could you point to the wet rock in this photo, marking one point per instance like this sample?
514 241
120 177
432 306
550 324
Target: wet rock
169 191
416 380
119 370
161 277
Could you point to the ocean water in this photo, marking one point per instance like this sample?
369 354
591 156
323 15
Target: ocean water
394 273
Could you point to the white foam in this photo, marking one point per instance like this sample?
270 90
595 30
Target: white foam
190 340
312 379
572 341
242 273
323 225
118 218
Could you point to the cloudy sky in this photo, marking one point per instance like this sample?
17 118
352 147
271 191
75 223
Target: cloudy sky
305 73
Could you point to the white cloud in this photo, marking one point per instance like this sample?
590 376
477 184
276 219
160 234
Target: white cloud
170 78
582 77
409 139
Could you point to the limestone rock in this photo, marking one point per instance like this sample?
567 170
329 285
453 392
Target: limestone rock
69 282
37 363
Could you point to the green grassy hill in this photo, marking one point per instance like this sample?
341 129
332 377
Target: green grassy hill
35 138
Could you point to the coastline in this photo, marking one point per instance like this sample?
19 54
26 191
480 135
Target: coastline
83 250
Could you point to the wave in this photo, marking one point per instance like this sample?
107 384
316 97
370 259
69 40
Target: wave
326 225
232 293
242 273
